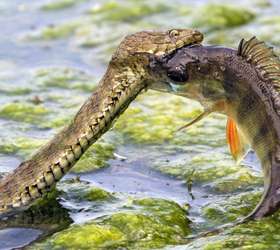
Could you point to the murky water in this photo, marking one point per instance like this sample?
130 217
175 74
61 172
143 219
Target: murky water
51 57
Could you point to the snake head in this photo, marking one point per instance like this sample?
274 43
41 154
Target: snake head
158 43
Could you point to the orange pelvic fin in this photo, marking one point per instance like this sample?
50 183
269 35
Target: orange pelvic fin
235 142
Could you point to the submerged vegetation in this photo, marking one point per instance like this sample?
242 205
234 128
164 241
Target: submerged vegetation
142 185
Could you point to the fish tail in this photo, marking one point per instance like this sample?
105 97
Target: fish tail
270 201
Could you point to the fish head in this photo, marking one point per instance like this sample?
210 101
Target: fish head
188 73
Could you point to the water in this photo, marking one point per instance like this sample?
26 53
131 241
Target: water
12 238
152 168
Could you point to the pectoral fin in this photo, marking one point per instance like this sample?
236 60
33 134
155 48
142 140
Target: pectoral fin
218 106
195 120
235 142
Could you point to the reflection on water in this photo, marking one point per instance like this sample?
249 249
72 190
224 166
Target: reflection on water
23 237
44 218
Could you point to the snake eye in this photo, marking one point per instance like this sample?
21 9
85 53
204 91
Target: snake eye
174 33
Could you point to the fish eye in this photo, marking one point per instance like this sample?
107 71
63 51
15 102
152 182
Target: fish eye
174 33
178 74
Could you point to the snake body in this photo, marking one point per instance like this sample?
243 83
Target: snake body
128 73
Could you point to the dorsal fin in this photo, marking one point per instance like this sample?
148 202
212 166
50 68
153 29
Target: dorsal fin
263 57
267 65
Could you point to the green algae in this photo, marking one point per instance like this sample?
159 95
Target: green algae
159 124
107 12
184 10
136 126
21 146
241 180
128 12
270 20
262 3
99 35
230 37
269 31
151 122
217 166
232 208
97 194
152 223
144 232
58 122
210 174
222 16
219 174
65 78
101 8
57 31
204 168
90 237
262 234
60 4
23 112
84 192
15 91
168 212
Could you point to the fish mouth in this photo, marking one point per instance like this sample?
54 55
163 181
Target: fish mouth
168 81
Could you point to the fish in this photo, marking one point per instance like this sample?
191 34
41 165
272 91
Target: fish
244 85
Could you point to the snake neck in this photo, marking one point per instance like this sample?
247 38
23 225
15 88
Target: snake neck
34 177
